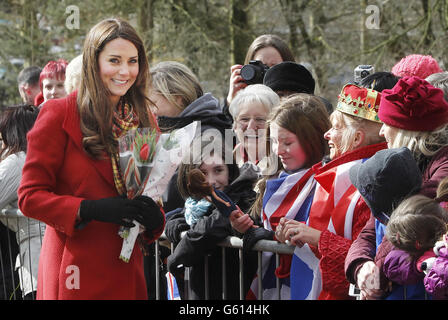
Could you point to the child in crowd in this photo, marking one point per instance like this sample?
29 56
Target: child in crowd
384 181
296 134
414 227
207 226
418 227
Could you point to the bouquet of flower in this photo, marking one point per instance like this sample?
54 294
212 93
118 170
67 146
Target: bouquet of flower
148 160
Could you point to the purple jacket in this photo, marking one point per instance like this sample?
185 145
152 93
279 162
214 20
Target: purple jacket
363 249
436 281
401 268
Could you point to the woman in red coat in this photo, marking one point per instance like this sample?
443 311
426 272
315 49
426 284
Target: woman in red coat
71 178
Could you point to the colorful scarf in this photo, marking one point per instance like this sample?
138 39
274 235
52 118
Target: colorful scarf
124 119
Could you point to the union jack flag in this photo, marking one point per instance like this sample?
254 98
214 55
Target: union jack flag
290 196
332 209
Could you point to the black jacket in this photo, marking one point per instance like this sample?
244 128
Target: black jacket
202 239
207 111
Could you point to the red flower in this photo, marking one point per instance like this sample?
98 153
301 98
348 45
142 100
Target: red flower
144 152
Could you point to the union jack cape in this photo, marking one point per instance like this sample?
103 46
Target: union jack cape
332 209
288 196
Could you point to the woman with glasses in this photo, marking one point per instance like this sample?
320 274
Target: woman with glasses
249 110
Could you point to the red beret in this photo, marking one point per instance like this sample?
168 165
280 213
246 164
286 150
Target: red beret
413 104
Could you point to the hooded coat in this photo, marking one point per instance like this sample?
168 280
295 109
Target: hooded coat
202 239
207 111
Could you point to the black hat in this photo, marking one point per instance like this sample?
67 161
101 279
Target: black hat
386 179
289 76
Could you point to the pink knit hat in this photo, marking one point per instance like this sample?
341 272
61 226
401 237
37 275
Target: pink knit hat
416 65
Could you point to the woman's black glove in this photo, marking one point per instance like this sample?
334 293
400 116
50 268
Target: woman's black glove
252 236
122 211
118 210
151 217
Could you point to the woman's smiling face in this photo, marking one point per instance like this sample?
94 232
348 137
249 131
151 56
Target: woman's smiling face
118 63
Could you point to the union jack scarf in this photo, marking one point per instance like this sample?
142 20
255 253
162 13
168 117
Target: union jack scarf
285 196
332 209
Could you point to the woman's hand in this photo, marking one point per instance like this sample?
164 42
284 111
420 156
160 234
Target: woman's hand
236 82
368 281
240 221
297 233
281 227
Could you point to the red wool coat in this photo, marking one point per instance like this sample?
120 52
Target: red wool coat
57 176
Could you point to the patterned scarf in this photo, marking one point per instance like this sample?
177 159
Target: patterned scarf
124 119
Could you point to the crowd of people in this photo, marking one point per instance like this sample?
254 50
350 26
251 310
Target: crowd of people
359 190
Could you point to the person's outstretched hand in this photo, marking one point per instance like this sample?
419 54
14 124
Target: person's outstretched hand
240 221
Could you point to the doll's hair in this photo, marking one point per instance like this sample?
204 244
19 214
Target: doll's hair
416 224
193 160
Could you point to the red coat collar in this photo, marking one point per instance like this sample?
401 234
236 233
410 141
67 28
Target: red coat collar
72 126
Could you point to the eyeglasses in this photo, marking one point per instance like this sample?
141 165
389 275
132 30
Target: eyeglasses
245 121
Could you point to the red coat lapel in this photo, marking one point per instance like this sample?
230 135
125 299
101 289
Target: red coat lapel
72 126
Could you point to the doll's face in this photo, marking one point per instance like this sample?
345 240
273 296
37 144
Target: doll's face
216 171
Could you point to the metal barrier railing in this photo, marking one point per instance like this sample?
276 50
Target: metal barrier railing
236 243
19 254
21 239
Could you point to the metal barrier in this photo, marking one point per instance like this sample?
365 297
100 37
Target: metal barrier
236 243
21 240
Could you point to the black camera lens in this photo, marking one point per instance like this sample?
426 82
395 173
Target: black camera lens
364 73
253 72
248 72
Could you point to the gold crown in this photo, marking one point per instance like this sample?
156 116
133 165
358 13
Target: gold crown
359 102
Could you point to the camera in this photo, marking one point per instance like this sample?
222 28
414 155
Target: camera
362 71
253 72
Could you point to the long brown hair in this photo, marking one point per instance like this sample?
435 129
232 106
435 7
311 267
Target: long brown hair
269 40
306 116
93 97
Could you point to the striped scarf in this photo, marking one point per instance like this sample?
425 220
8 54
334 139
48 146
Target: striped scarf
124 119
